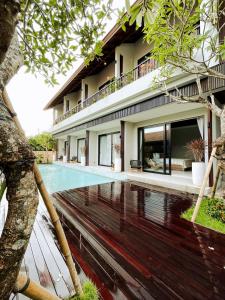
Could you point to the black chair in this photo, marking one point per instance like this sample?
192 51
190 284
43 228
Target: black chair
135 164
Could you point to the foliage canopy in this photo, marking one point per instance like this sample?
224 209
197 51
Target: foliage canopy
52 33
42 142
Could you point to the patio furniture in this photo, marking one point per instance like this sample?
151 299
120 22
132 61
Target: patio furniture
135 164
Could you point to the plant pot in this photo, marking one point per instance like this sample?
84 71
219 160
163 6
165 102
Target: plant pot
198 172
82 160
117 165
64 158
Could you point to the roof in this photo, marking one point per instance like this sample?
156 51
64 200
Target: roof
114 38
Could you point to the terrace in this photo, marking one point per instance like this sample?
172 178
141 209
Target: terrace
134 240
139 71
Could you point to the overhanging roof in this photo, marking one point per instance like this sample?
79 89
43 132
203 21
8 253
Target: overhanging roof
114 38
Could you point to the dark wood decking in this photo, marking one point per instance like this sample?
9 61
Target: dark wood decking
132 242
43 261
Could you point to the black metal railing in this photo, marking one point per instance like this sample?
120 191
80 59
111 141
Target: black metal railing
141 70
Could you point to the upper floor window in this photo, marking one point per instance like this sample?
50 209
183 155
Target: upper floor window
85 91
67 105
121 65
145 65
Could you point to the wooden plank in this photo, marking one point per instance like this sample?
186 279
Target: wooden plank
56 276
42 269
47 231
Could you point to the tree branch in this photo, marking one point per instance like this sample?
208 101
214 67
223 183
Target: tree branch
12 62
10 10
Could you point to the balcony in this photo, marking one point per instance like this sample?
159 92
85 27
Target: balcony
141 70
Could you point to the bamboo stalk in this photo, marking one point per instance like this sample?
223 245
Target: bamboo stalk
31 289
202 190
216 182
51 209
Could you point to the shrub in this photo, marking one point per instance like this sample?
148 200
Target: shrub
90 292
216 209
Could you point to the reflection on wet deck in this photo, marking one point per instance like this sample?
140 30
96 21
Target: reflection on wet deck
43 261
132 242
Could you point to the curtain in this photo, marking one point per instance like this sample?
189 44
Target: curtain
116 141
200 121
81 144
105 150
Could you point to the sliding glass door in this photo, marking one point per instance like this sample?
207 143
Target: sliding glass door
154 148
106 148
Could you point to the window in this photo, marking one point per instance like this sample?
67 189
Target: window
80 149
86 91
67 105
121 65
104 84
106 150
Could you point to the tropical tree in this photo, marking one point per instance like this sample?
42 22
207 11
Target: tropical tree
42 142
44 36
180 44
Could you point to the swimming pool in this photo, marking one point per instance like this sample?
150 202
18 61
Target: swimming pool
59 178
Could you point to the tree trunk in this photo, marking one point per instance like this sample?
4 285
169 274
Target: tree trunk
222 122
16 162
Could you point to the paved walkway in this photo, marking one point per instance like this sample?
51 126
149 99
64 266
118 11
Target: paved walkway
132 242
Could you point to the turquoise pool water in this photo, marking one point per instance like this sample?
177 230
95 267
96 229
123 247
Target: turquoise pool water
59 178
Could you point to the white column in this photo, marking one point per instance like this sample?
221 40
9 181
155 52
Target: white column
93 148
130 144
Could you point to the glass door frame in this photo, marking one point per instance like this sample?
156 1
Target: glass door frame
99 137
166 171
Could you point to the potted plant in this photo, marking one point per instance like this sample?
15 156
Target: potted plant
83 158
197 148
117 165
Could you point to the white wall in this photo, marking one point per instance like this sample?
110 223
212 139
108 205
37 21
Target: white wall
57 111
127 51
131 54
93 150
95 81
106 74
73 99
141 48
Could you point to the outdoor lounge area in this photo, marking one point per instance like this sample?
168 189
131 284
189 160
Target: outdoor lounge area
132 237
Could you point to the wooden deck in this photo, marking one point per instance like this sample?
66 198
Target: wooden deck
43 261
132 242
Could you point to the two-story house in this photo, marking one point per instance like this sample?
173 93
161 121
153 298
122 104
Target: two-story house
111 106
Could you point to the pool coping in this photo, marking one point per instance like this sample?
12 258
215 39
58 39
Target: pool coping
92 170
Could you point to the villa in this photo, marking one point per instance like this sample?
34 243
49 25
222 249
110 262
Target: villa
112 101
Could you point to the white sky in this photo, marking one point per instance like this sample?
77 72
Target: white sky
29 95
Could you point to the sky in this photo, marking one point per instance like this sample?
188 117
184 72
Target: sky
29 95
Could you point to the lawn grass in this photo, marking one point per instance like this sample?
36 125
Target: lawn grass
203 218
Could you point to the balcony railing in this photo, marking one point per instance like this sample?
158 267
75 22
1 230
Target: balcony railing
69 113
142 69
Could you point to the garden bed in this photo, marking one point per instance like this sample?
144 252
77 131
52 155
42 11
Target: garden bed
204 217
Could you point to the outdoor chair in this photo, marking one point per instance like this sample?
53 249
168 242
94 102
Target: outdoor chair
135 164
